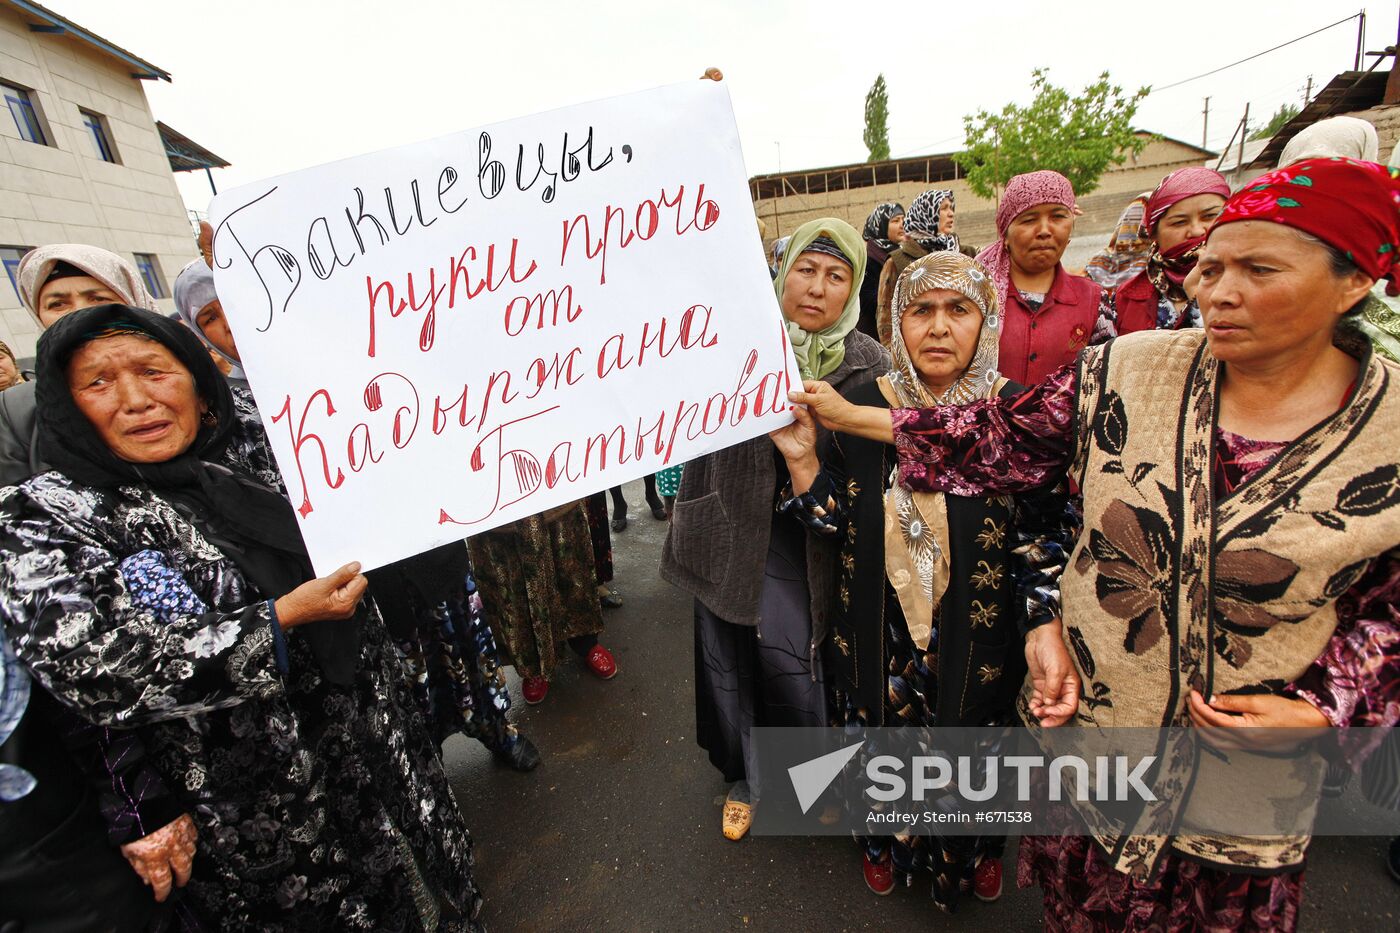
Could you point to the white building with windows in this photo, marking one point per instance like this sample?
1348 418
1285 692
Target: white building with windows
82 159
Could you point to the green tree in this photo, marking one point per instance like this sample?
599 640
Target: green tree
1079 137
1281 116
877 112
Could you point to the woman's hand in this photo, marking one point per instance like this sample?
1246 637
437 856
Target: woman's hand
165 857
332 597
1054 681
1246 714
205 242
837 414
797 442
823 401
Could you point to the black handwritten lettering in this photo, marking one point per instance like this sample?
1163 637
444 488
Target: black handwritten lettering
491 174
277 269
360 217
318 265
446 179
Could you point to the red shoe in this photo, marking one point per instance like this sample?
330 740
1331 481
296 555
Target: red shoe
601 662
879 877
534 689
986 880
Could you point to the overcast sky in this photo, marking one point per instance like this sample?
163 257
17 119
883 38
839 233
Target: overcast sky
277 86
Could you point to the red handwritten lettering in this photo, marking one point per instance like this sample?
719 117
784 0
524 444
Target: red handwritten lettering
535 307
301 437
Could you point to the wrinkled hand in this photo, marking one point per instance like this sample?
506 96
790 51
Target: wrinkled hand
165 857
823 401
332 597
1054 681
797 441
1253 719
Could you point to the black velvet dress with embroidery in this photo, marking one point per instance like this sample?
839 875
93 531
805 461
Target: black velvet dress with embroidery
974 664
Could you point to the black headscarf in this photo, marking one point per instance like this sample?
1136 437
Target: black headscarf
254 525
877 225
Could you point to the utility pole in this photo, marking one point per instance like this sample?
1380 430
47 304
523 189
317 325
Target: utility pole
1307 94
1205 123
1244 134
1360 38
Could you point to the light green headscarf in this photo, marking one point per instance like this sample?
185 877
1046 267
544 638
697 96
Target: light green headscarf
818 355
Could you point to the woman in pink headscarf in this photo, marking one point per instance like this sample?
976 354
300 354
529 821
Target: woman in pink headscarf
1050 315
1178 216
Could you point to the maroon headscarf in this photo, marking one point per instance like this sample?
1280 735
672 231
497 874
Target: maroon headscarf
1022 193
1353 206
1178 186
1168 270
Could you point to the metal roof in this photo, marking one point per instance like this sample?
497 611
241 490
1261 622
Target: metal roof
1348 92
52 23
926 169
185 154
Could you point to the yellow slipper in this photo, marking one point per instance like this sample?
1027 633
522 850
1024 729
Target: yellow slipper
738 817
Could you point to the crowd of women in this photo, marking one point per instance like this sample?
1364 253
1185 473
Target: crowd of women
1013 494
1160 494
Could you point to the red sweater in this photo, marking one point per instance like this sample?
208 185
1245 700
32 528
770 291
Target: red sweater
1036 343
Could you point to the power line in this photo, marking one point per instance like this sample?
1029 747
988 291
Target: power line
919 149
1167 87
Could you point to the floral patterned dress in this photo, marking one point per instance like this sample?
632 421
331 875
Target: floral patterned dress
1021 443
319 806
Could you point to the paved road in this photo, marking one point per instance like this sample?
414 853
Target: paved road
619 828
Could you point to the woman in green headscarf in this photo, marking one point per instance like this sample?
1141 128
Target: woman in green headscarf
738 540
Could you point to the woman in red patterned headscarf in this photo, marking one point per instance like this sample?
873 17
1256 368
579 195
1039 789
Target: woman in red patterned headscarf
1177 217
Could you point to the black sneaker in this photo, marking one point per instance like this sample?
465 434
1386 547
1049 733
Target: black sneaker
521 754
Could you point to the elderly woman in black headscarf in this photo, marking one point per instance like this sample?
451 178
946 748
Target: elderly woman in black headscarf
429 601
884 229
155 579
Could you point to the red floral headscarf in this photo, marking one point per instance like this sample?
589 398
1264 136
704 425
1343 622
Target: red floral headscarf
1353 206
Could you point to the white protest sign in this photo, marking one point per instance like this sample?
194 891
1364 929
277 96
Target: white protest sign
452 335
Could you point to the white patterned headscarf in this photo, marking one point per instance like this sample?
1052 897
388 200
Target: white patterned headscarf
958 273
103 265
916 523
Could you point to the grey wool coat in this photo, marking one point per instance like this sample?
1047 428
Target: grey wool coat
718 540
